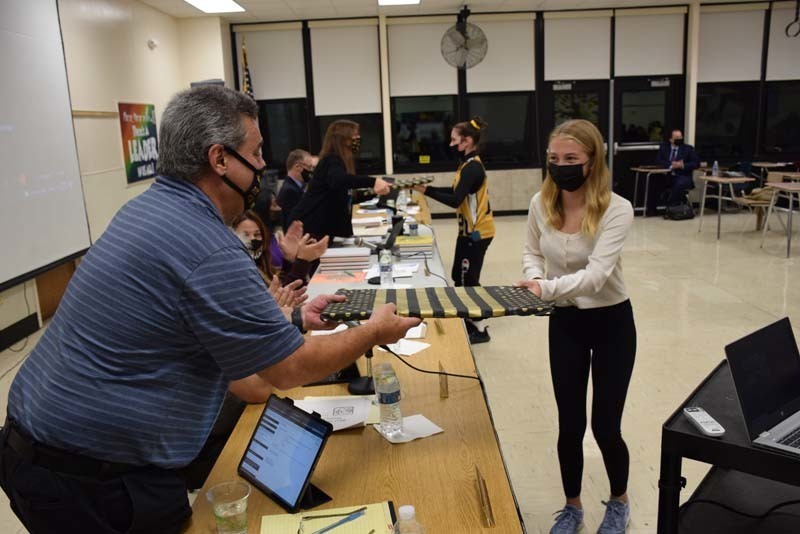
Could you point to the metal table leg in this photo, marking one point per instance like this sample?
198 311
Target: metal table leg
669 492
769 212
789 227
636 192
719 208
702 205
646 191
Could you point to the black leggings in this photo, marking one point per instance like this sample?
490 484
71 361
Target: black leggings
605 340
473 251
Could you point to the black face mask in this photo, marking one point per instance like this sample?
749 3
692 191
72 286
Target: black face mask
249 196
678 142
306 175
567 177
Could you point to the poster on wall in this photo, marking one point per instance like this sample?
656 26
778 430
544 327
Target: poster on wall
139 140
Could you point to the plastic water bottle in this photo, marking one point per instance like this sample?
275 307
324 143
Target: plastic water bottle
413 228
408 524
715 169
387 389
385 264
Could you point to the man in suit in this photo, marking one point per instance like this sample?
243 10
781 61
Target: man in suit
299 165
683 160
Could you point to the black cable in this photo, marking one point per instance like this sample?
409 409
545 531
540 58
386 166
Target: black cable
425 259
739 512
387 349
28 305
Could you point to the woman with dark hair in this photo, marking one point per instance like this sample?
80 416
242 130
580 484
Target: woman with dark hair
469 195
325 206
298 250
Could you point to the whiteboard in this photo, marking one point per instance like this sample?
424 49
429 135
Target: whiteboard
42 212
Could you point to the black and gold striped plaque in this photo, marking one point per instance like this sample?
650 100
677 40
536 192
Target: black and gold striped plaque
478 302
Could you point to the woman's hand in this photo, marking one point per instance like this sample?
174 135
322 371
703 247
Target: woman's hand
290 241
381 187
311 249
532 285
290 295
421 188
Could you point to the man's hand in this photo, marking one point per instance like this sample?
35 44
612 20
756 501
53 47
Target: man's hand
381 187
677 164
389 327
312 309
310 249
290 241
532 285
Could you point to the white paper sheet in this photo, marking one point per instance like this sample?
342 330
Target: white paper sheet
407 347
414 427
341 412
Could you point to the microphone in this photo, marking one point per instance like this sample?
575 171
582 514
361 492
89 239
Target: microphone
464 269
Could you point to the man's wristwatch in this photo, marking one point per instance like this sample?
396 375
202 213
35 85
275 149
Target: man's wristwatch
297 319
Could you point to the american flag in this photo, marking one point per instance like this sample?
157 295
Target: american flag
248 82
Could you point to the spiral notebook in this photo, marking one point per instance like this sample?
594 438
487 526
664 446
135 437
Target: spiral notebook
379 517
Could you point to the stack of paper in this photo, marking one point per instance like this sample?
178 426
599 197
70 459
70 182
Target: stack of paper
344 259
415 246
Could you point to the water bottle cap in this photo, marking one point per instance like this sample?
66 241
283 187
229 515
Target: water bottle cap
407 512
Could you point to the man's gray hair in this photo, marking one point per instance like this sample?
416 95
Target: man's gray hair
196 119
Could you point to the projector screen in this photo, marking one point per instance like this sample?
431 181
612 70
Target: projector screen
42 212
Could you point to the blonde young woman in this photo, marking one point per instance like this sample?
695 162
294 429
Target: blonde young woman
576 230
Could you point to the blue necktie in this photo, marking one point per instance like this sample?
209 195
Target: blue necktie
674 153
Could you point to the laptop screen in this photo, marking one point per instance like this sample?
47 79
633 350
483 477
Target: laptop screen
766 371
283 451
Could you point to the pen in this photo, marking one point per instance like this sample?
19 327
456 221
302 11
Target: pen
306 518
342 521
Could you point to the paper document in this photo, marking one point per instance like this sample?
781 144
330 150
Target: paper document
341 412
407 347
371 211
399 270
414 427
377 518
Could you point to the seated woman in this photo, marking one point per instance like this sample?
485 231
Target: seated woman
297 249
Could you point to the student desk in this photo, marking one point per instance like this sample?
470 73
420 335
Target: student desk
648 172
734 451
435 474
721 182
788 189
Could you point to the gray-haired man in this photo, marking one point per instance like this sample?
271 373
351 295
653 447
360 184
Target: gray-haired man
164 313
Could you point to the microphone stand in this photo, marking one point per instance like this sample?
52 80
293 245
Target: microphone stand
362 385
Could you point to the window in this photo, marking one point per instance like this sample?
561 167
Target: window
370 159
283 125
726 120
421 130
577 105
782 127
643 116
509 141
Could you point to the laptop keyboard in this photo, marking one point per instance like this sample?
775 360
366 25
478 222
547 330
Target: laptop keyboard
791 440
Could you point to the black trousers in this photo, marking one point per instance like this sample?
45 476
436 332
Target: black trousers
473 251
143 501
602 340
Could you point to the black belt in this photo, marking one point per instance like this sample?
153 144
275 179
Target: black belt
62 461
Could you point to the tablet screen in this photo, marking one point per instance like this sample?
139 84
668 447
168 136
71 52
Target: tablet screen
284 449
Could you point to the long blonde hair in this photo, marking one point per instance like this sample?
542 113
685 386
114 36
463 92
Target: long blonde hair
598 190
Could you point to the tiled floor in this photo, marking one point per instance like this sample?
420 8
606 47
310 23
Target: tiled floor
691 295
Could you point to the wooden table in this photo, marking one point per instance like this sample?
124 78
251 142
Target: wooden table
649 171
435 474
765 166
791 176
721 182
789 190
